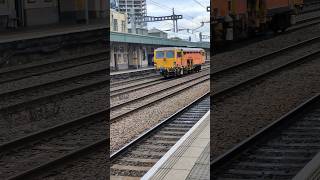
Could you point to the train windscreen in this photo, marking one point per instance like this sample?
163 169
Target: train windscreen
170 54
159 54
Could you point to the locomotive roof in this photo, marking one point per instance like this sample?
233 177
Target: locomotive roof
180 48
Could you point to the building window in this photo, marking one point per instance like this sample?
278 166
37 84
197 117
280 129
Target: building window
123 25
115 25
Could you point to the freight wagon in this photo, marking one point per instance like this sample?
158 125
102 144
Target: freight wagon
238 19
175 61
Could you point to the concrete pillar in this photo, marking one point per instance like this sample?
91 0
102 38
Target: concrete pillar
112 64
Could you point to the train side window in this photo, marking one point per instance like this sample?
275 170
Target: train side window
179 54
170 54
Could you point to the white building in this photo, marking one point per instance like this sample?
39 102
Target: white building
136 9
118 21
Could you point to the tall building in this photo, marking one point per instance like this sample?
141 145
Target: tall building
114 4
119 21
136 9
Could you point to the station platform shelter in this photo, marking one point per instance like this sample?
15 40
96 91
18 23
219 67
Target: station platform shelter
134 51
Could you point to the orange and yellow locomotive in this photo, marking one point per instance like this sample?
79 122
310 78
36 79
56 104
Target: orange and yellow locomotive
175 61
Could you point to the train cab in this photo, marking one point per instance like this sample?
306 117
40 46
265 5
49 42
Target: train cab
175 61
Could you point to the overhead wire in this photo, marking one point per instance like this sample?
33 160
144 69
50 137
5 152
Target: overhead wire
177 10
200 4
170 9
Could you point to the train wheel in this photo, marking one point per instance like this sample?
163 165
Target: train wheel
283 30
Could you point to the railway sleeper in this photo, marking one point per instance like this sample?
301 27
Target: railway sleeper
277 159
137 162
237 176
148 153
153 148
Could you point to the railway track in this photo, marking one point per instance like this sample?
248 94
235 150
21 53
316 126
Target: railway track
48 141
304 23
307 20
122 78
231 79
51 145
15 98
268 69
123 109
51 65
236 76
140 85
137 157
279 151
311 7
116 83
56 145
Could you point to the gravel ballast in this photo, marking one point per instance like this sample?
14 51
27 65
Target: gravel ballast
240 115
126 129
32 119
224 60
136 94
156 97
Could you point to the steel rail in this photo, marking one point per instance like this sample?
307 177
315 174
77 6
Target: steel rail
57 81
39 99
139 86
118 153
260 76
223 162
116 118
35 66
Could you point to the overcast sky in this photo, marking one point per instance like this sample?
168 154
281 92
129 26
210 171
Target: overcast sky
193 11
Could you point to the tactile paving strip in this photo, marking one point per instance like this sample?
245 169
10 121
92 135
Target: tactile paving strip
201 170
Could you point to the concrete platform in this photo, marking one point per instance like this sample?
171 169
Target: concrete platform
311 171
47 31
131 71
189 158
